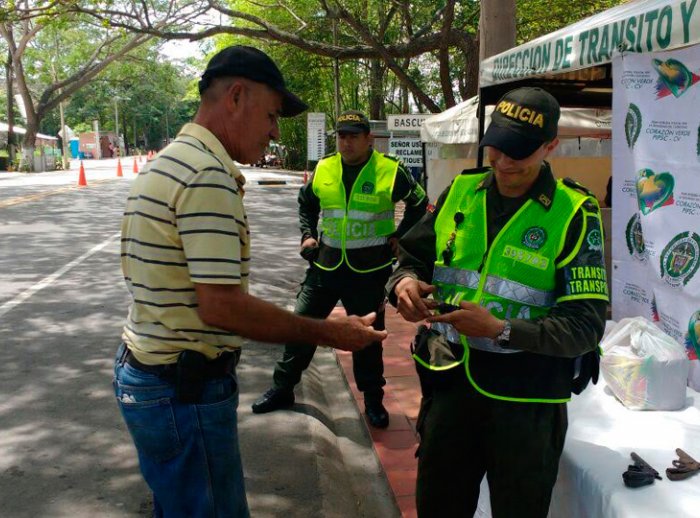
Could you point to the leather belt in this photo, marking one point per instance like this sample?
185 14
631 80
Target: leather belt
220 367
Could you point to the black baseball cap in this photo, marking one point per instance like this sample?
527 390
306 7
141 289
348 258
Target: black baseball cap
253 64
352 121
523 120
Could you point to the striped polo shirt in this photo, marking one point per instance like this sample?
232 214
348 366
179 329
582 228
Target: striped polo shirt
184 223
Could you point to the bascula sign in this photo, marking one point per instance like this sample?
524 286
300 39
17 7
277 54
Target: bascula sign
406 122
638 27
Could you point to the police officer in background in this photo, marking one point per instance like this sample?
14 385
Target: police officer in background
349 237
515 257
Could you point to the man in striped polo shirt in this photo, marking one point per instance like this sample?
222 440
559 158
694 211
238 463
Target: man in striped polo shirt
185 258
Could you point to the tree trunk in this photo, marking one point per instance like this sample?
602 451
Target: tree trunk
10 111
496 27
26 163
469 85
444 56
29 142
376 90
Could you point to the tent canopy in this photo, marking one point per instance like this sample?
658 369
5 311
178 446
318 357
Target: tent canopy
639 26
459 124
18 130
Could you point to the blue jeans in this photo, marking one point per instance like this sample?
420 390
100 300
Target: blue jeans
189 454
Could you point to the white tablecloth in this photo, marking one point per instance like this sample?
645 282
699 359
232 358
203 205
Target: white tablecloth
602 434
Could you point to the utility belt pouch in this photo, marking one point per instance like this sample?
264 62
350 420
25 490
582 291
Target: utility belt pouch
310 253
586 369
190 377
435 358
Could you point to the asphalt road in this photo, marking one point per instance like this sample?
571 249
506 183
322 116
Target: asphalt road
64 450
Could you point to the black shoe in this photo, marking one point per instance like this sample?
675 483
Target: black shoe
377 414
273 399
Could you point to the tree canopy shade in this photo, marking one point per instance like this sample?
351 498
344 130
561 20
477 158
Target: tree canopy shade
54 53
392 32
388 56
149 94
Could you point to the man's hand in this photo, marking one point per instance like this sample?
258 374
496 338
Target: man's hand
472 320
353 333
309 242
309 249
410 297
227 306
394 243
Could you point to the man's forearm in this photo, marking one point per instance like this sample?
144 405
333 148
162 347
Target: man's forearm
254 318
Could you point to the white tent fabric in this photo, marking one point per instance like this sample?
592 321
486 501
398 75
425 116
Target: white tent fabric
71 134
459 124
19 130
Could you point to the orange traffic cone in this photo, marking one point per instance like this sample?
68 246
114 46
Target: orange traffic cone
82 182
136 166
119 167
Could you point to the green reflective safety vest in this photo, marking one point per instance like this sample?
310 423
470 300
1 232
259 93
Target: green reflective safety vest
366 219
514 278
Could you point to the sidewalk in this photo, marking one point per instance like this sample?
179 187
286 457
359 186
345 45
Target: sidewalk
396 445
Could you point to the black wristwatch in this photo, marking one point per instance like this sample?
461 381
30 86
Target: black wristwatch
504 338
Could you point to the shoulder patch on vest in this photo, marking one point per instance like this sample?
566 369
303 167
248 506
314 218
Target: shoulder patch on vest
329 155
570 182
391 157
476 170
590 206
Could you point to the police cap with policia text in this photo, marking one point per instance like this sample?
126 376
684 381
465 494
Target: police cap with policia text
352 121
523 120
253 64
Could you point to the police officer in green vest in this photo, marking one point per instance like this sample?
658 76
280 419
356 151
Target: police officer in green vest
350 239
508 270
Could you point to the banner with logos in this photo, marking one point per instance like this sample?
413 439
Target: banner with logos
656 193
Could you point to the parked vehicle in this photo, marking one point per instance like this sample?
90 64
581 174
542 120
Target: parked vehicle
269 160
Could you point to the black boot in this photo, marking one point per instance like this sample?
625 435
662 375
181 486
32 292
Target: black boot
377 416
273 399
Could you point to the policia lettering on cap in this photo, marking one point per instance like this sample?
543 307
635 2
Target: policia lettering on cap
503 256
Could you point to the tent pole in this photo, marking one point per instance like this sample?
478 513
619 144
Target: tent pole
481 115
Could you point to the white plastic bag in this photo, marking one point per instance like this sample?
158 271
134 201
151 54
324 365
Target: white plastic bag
644 367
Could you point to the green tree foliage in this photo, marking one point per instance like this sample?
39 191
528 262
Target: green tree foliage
387 33
148 94
539 17
394 56
54 54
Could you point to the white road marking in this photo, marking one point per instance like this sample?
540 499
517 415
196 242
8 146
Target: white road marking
19 299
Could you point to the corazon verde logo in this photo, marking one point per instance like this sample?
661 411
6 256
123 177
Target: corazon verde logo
674 77
680 259
692 339
633 124
654 190
367 188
